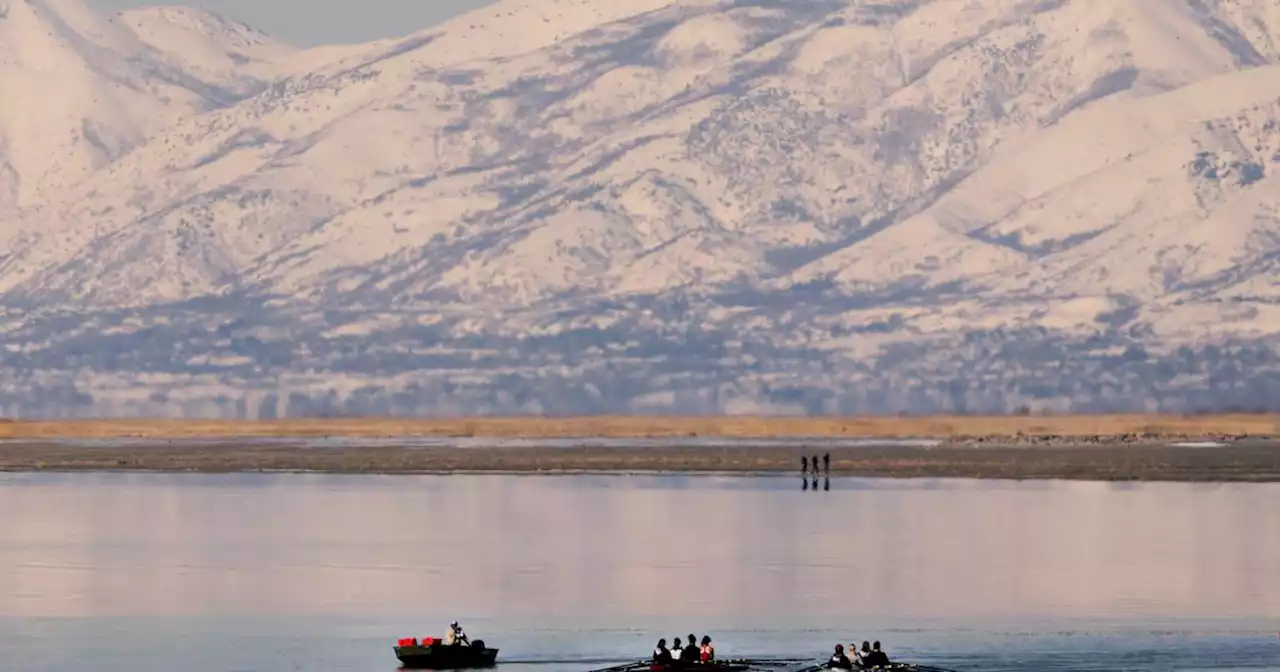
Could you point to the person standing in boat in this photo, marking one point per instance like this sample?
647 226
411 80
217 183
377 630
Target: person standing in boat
455 636
691 653
707 654
661 656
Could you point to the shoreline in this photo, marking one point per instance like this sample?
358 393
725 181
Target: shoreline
1256 461
970 428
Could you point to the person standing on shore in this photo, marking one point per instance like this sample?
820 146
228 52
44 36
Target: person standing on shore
804 465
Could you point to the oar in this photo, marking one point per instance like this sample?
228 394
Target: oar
891 667
769 662
626 666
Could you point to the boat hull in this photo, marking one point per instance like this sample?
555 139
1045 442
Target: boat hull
443 657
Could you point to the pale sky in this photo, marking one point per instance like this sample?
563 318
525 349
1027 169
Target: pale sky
311 22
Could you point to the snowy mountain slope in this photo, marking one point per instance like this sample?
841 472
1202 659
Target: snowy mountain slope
209 46
1161 199
81 90
835 176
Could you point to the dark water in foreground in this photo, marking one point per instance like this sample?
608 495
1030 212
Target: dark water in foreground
268 573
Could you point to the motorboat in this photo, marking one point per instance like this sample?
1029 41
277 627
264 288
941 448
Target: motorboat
433 654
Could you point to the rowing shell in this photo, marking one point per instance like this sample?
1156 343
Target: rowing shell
743 664
717 666
730 665
891 667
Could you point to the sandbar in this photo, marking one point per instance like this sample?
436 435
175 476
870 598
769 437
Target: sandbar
1235 461
1222 448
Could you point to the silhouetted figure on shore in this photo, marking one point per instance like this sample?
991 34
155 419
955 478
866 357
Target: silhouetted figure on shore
826 463
804 465
815 464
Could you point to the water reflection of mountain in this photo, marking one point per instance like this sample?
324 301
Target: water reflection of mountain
621 547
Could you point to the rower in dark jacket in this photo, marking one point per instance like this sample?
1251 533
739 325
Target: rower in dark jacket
839 661
661 656
690 653
865 654
877 657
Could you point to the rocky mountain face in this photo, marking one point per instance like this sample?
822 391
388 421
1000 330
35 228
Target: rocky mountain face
642 205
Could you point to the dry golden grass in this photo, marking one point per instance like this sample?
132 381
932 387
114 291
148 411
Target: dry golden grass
649 426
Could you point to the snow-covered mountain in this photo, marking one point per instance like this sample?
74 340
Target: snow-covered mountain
733 204
80 90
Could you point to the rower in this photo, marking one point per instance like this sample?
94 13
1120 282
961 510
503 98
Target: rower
676 648
877 657
455 636
839 661
708 653
661 656
691 653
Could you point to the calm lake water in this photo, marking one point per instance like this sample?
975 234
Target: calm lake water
265 573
